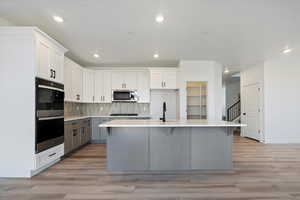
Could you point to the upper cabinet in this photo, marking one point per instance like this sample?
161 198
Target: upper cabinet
124 80
50 58
102 89
88 86
143 86
163 79
73 74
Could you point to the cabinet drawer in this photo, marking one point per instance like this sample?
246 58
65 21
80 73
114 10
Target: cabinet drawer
49 155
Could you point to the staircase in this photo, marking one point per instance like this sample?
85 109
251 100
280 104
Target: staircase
234 115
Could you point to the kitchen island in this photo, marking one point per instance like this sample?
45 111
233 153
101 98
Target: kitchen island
146 145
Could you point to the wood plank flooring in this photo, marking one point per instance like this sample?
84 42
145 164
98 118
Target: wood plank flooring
260 172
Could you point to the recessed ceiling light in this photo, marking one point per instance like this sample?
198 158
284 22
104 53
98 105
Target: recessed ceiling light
159 18
226 71
96 55
156 55
58 19
287 50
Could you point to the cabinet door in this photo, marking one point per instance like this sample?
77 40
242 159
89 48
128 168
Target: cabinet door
68 140
76 137
169 149
44 70
169 80
98 87
76 82
68 80
156 81
88 86
143 87
56 64
117 80
130 81
106 87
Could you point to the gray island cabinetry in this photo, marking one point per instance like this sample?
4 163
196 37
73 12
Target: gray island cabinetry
145 145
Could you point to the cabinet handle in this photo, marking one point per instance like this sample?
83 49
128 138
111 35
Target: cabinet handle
51 73
103 98
52 154
162 84
93 98
54 72
124 85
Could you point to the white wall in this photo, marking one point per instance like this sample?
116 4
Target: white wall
17 96
209 71
282 99
4 22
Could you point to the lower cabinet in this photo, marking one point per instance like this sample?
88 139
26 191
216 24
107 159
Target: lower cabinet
77 133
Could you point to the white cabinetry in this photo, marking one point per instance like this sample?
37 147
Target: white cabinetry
143 87
124 80
73 87
163 79
50 60
102 89
88 86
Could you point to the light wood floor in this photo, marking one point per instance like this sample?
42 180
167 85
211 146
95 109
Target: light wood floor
260 172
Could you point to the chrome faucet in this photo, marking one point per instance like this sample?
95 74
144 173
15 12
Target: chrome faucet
164 112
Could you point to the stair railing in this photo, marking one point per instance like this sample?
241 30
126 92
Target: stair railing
234 111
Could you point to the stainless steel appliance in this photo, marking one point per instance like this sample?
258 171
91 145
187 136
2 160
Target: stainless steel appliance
124 96
49 114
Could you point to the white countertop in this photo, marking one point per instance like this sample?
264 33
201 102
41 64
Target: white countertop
104 116
171 124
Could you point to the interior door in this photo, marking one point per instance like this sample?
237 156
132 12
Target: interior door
251 112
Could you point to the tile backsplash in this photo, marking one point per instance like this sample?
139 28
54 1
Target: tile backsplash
96 109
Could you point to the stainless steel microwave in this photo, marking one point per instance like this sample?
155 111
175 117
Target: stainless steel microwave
124 96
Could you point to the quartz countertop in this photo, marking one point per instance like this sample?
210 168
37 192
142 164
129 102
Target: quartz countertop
105 116
171 123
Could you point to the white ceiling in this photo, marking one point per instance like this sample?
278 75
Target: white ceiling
236 33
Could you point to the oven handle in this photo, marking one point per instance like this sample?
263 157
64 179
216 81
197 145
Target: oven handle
49 118
50 88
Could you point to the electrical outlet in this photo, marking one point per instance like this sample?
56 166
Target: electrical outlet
101 108
144 108
77 108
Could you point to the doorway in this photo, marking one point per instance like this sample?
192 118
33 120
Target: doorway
251 111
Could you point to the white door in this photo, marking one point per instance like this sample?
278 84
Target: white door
106 87
156 80
143 84
117 80
44 61
68 80
156 106
76 82
88 86
169 79
98 87
56 64
130 80
251 112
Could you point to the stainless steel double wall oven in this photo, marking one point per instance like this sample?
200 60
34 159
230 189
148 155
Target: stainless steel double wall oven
49 114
